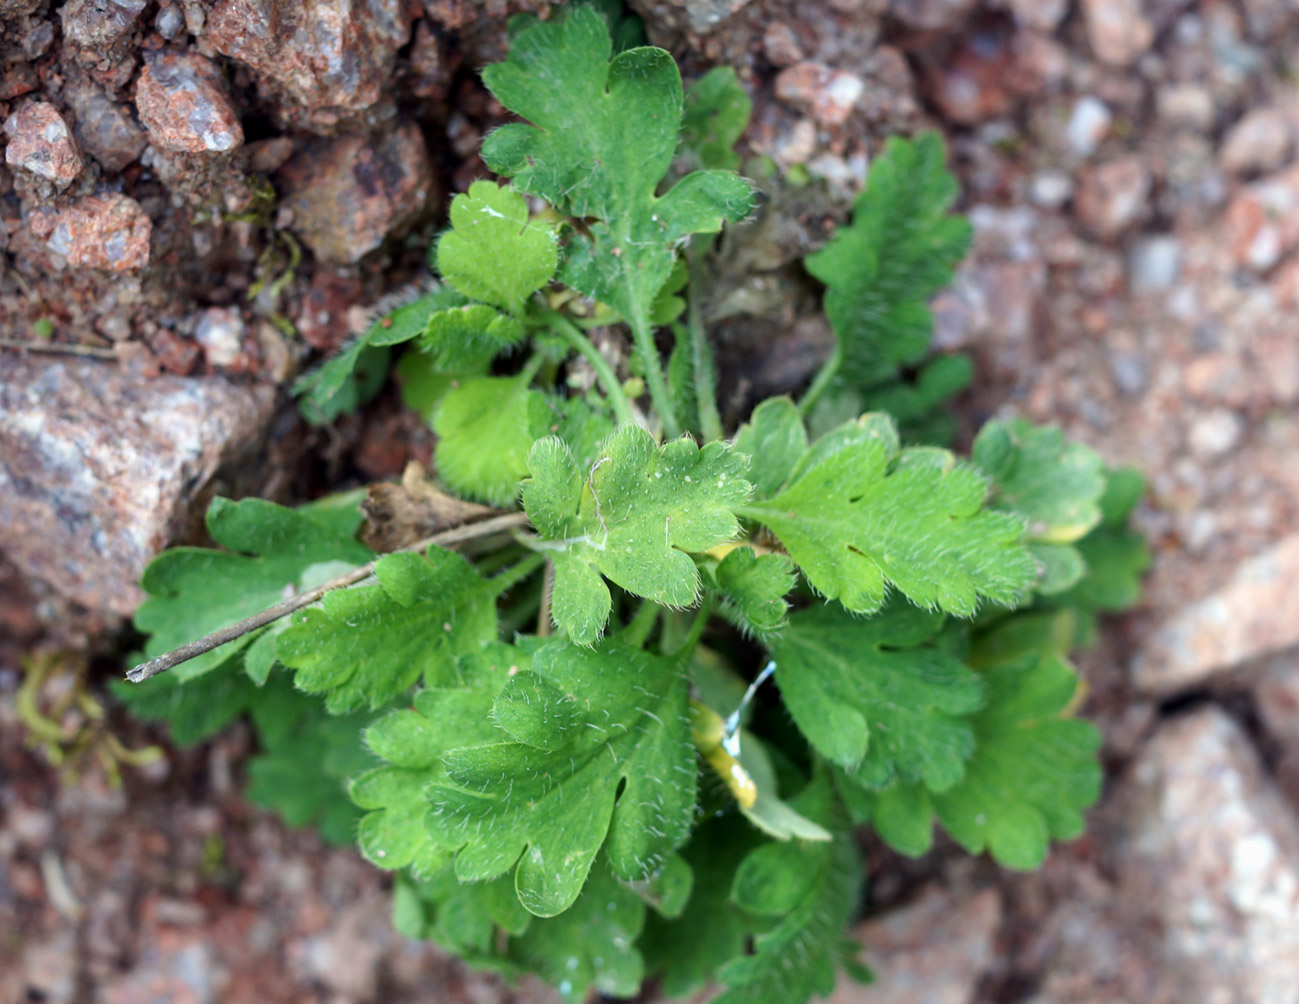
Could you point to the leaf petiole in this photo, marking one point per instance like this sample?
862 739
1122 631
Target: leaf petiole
701 356
824 376
578 341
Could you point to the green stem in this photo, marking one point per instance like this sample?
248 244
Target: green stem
517 573
642 623
697 626
643 336
827 373
603 371
531 368
701 357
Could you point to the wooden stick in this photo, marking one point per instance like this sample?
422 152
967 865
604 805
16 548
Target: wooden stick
456 535
58 348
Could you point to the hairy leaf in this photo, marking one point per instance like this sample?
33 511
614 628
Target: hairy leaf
1032 774
590 945
712 930
900 249
1056 486
812 891
716 113
1115 555
194 710
493 252
307 756
854 526
631 517
484 434
466 338
774 440
602 137
753 589
873 697
412 742
271 550
365 645
351 377
622 767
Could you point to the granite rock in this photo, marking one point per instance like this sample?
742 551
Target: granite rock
99 467
100 31
41 145
109 232
348 193
1256 613
1113 196
1118 30
183 101
934 950
106 129
1210 855
328 59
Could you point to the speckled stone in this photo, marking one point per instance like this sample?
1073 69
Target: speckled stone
106 129
99 466
183 101
41 145
327 57
1255 613
107 232
1210 856
347 194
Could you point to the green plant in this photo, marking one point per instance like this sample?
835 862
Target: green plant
615 794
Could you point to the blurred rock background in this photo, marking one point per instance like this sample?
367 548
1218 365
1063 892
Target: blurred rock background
197 195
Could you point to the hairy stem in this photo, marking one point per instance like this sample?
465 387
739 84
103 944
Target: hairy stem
696 632
823 378
643 336
578 341
544 623
456 535
516 573
701 356
641 624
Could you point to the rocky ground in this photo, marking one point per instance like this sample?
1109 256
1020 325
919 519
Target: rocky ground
181 178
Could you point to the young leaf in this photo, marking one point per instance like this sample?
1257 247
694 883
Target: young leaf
711 931
812 889
1116 556
717 112
363 646
461 918
1056 486
195 710
307 756
632 517
774 440
590 945
1032 774
413 741
493 252
874 698
468 337
753 589
602 137
621 767
900 249
484 433
346 380
194 591
854 527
